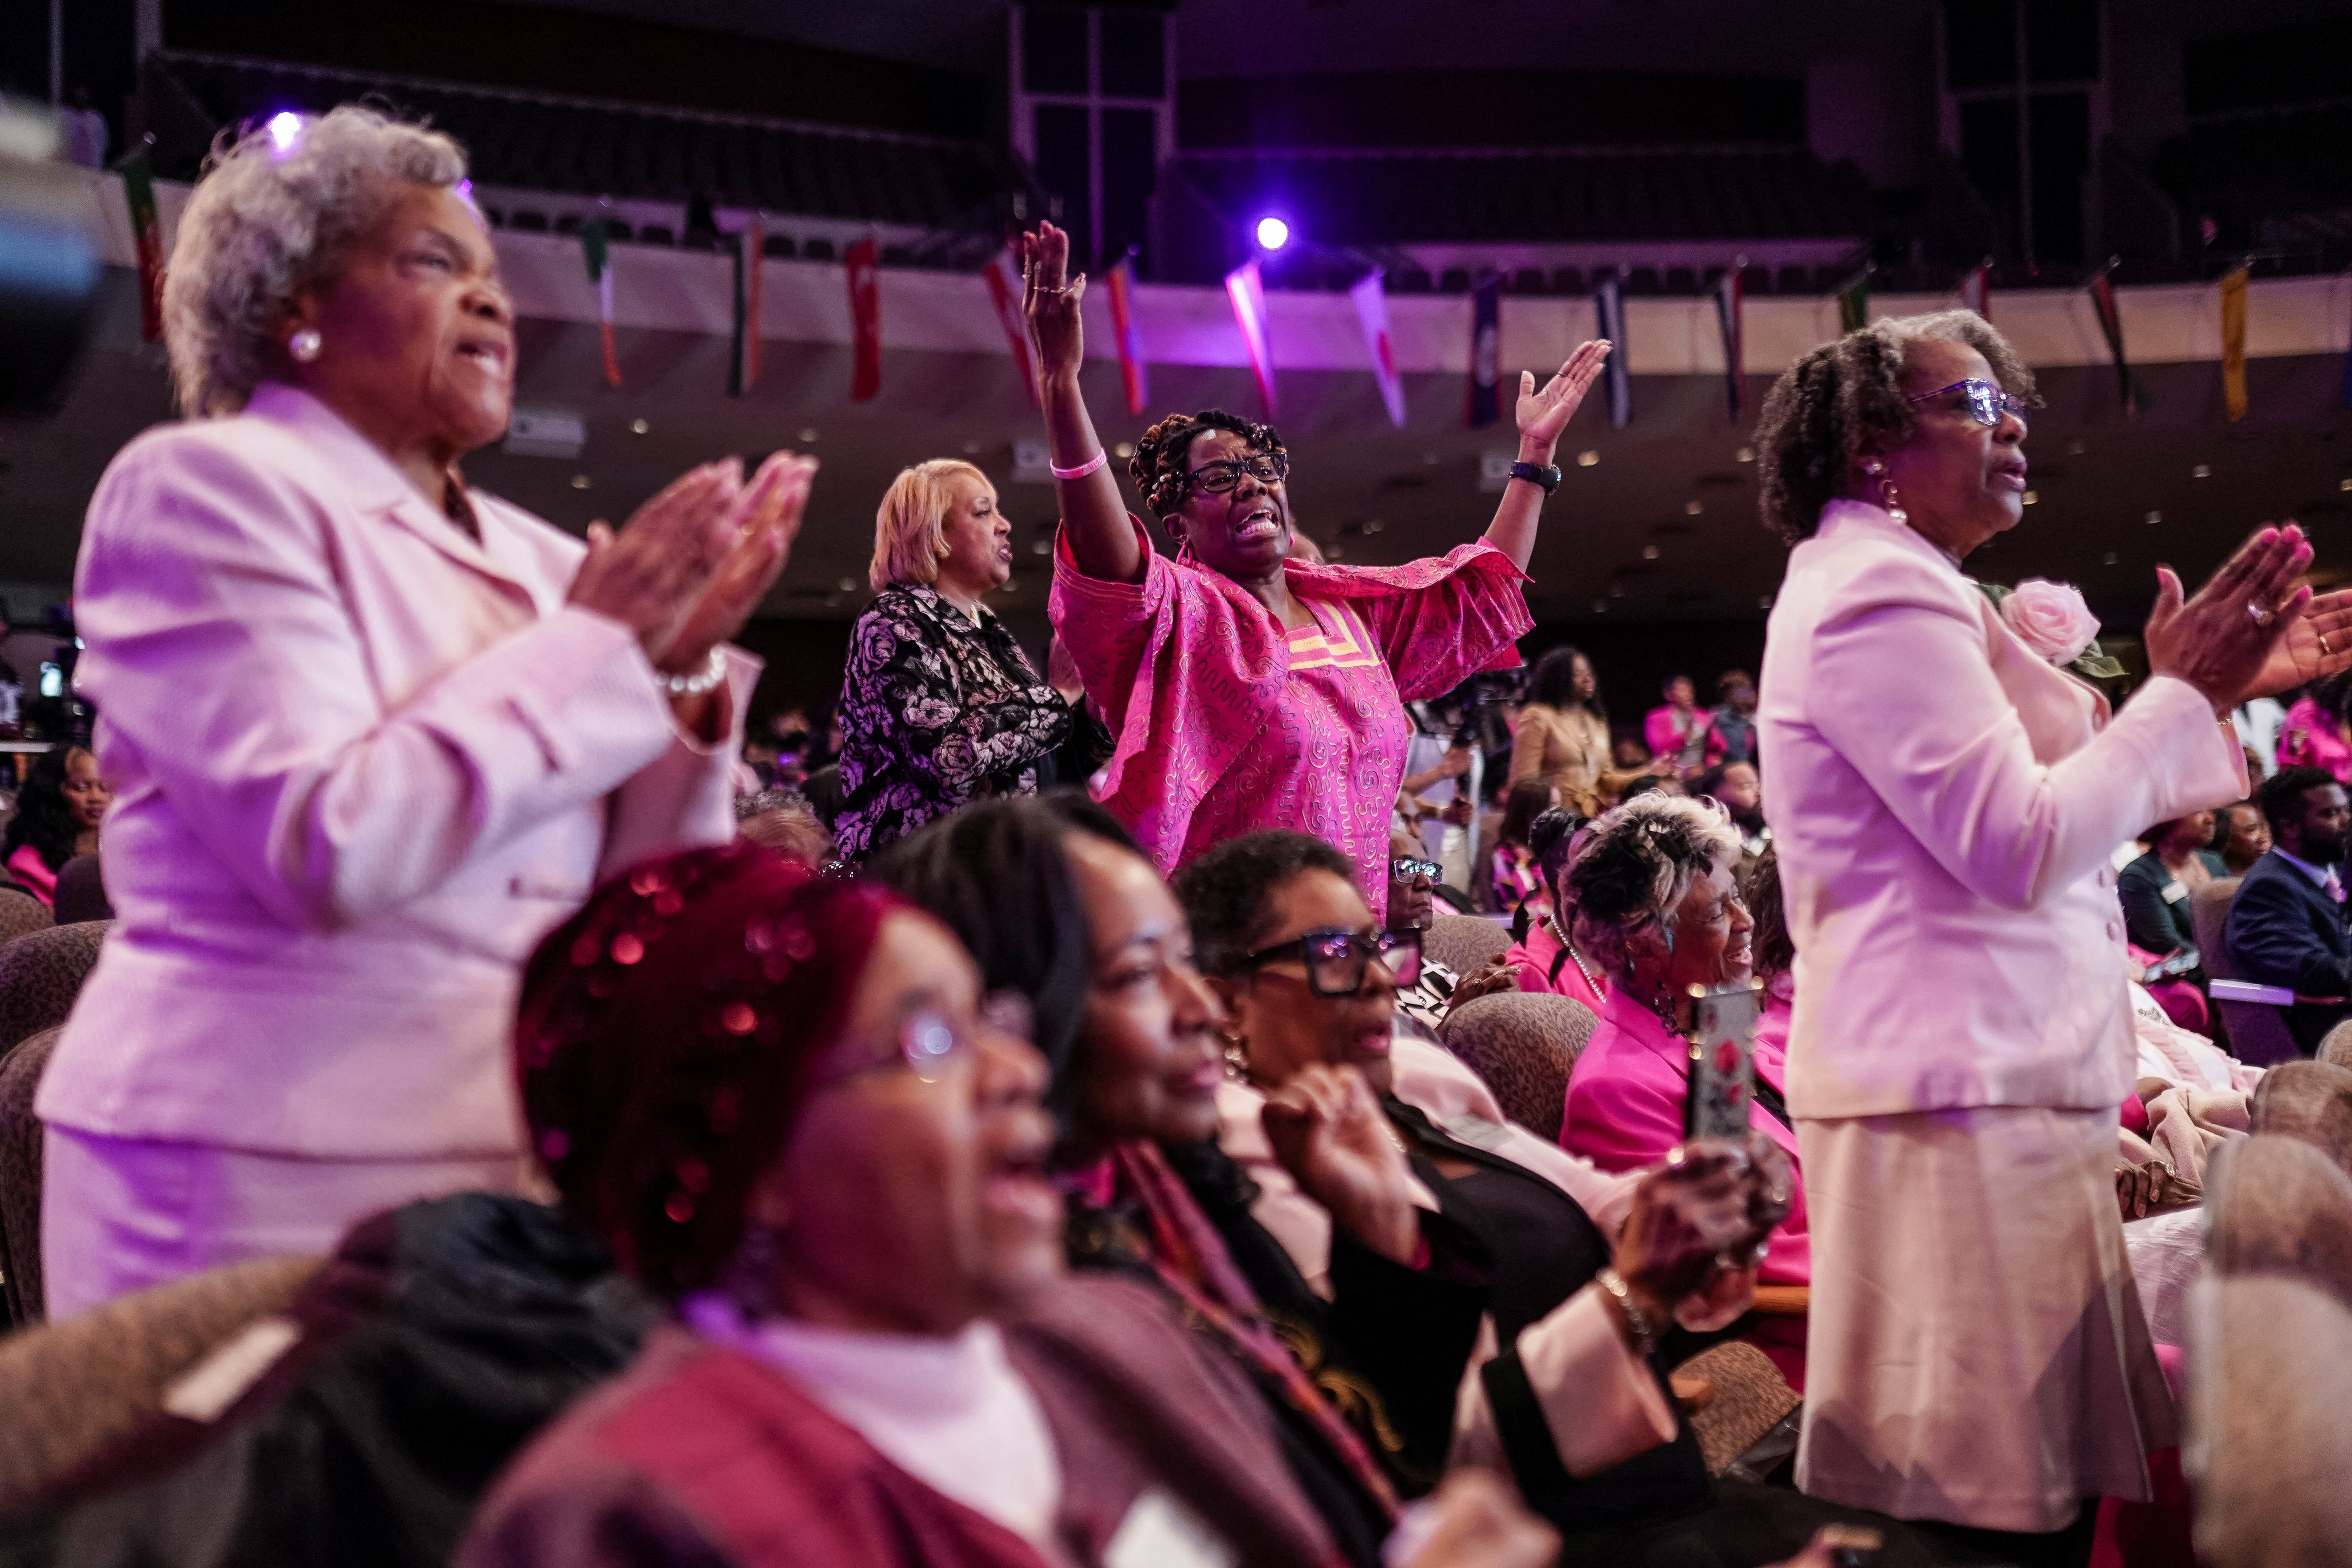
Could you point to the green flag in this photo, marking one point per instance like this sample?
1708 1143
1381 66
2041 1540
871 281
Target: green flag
147 237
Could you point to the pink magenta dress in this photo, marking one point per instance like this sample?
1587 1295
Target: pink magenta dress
2312 738
1226 724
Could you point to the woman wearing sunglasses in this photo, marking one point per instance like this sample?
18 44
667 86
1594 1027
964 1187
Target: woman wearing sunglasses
1946 797
1247 688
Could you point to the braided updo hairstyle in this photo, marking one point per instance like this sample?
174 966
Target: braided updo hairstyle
1163 457
1845 394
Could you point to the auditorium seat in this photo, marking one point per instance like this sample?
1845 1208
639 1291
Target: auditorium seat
40 974
2254 1032
1568 281
2309 1100
21 912
2270 1413
2336 1048
80 892
20 1180
2280 1205
70 1389
1524 1043
1465 942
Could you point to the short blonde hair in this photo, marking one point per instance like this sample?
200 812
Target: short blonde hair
268 219
910 528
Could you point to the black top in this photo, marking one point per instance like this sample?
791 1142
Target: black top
2155 922
936 711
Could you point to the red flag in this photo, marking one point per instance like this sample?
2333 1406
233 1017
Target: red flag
1975 289
1121 280
1005 291
147 237
863 263
1247 290
1373 315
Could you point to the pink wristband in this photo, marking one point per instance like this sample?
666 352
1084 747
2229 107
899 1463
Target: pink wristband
1083 469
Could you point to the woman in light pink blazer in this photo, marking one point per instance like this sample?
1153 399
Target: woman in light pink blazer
1947 799
372 732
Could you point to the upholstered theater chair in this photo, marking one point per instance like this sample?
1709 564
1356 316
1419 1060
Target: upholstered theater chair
2281 1206
1524 1043
2310 1100
2270 1420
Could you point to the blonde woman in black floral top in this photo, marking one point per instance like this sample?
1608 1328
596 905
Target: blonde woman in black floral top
939 706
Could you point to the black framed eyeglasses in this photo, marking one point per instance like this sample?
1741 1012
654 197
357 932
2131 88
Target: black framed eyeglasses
1335 957
1988 403
1216 478
1405 868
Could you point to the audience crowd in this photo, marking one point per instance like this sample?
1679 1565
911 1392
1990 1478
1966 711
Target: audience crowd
1221 1100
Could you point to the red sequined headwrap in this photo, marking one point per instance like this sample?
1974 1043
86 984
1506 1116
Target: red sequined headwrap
665 1038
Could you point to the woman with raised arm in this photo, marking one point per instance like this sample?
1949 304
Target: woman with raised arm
1247 687
1945 798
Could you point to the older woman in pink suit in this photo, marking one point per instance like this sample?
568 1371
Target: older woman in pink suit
1657 906
1947 799
373 731
1247 687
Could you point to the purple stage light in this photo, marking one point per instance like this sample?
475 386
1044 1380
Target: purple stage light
285 129
1273 234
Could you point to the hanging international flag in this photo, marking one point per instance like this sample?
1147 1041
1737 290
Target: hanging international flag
595 247
1976 288
1372 314
2234 342
755 256
1608 321
1003 275
1481 408
1247 290
2111 324
1853 303
863 264
744 334
1121 280
147 237
1729 300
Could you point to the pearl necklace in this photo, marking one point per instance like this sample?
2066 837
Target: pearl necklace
1574 957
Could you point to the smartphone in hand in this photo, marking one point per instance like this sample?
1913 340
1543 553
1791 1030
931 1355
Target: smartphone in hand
1719 1028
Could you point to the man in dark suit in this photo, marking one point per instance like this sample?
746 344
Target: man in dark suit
2287 923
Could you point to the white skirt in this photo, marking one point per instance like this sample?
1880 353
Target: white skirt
120 1215
1976 1352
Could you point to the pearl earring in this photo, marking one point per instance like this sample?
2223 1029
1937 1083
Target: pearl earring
1886 493
304 345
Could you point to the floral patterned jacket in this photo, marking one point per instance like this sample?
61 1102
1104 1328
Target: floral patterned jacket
936 711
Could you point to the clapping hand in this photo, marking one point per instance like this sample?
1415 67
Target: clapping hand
2234 635
2318 644
766 518
692 564
1331 1134
1544 415
1049 300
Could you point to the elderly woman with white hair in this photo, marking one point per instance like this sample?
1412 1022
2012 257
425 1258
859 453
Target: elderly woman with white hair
374 732
938 707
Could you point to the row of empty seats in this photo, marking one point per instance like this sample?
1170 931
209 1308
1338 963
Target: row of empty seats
1397 198
537 144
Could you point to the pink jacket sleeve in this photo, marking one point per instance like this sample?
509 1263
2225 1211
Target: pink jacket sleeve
225 652
1959 773
1659 733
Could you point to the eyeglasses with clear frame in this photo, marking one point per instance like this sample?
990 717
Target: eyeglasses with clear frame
1988 403
1335 957
1216 478
1405 868
932 1045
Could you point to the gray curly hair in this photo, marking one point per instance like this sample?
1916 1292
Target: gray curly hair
268 221
1640 860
